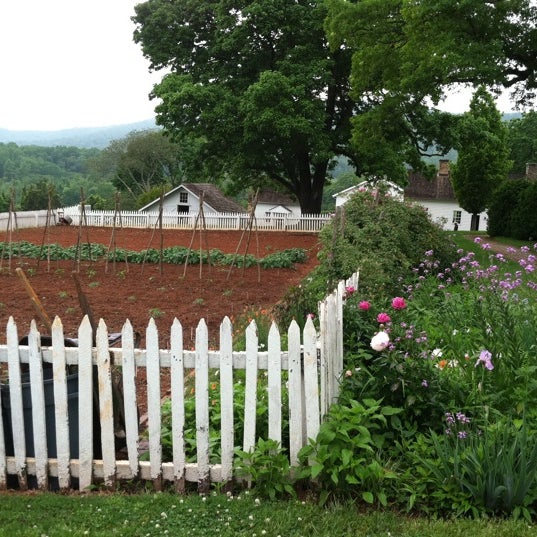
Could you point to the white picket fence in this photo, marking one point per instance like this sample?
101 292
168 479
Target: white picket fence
24 219
221 221
134 219
311 366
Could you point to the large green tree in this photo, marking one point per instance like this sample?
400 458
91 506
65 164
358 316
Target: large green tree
39 195
409 53
523 141
140 162
483 160
255 86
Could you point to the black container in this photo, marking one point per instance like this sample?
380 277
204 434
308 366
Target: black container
50 418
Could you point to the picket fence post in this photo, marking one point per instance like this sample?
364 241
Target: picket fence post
226 400
132 434
106 405
38 413
178 405
296 437
154 403
61 414
202 406
274 379
250 388
85 403
15 400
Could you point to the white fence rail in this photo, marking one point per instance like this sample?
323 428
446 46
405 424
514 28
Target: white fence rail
134 219
223 221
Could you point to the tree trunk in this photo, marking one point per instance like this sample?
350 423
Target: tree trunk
310 196
474 223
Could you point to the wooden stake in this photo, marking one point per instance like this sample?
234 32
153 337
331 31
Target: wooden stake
35 300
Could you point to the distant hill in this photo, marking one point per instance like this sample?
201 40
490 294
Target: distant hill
98 137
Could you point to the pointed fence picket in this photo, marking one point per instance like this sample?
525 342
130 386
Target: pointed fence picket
83 433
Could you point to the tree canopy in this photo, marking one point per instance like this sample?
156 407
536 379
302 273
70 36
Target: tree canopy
483 161
255 86
141 162
407 54
523 141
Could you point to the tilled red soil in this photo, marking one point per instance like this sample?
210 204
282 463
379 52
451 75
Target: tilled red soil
137 292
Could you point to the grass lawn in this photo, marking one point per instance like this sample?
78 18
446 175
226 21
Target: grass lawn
147 514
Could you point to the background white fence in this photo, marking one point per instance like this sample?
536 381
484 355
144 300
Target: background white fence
135 219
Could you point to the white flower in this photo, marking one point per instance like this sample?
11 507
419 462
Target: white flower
380 341
436 353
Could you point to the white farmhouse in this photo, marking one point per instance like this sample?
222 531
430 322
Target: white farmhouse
276 207
438 199
185 199
435 195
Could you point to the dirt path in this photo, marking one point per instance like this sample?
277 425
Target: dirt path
510 252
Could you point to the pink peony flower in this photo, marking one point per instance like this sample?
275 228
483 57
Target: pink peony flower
383 318
364 305
398 303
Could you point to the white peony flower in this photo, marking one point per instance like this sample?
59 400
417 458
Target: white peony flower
380 341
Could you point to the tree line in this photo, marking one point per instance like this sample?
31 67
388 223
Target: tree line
144 163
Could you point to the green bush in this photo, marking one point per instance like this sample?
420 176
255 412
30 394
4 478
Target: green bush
383 238
502 213
461 343
343 460
524 220
477 468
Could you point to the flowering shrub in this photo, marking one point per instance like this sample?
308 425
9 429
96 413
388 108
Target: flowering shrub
455 349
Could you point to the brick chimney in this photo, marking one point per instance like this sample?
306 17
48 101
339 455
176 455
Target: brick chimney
531 171
443 167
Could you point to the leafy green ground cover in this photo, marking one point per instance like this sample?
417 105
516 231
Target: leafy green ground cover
174 255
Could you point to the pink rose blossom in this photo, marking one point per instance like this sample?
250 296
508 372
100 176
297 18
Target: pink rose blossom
364 305
383 318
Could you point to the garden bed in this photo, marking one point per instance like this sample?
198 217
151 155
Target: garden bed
120 291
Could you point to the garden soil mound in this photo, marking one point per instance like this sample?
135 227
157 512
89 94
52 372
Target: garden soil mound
119 291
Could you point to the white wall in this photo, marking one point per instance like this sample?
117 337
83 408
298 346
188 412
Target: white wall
292 211
171 202
442 212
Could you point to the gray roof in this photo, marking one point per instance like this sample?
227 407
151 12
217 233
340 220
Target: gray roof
275 198
213 197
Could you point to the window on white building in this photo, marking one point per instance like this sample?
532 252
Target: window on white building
457 215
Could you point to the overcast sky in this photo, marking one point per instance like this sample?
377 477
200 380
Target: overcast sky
73 63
